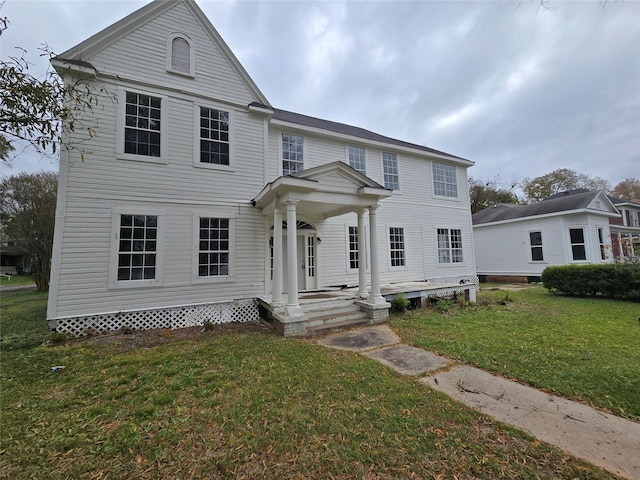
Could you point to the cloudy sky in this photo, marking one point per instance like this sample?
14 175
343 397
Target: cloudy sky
520 89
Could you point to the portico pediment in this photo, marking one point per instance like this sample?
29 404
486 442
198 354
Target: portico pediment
322 192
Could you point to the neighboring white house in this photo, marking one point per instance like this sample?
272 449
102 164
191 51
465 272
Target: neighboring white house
178 212
518 242
625 230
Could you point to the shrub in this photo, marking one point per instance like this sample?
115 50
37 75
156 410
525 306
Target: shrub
444 304
611 280
399 303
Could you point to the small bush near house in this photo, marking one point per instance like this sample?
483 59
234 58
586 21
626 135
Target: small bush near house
612 280
399 303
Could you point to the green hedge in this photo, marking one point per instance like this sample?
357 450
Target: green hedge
611 280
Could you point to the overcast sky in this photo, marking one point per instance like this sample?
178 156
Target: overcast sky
519 89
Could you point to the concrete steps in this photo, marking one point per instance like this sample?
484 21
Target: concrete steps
324 317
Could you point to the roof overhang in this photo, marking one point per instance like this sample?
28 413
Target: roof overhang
580 211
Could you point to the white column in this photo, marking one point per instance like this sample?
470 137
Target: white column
362 258
374 294
276 288
293 308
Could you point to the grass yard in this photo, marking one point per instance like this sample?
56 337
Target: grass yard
16 280
238 405
579 348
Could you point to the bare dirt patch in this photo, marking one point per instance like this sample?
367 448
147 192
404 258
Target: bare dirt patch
129 340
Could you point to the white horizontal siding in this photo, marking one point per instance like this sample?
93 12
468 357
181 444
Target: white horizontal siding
141 55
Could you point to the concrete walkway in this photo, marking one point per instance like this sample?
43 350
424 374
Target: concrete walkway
607 441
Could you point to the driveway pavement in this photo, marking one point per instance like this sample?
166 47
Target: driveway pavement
607 441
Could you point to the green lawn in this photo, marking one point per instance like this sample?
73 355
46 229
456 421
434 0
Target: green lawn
584 349
238 405
16 280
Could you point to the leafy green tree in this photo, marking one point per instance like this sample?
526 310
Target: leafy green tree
28 214
560 180
485 194
37 110
628 189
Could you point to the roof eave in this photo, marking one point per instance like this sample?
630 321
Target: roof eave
547 215
389 146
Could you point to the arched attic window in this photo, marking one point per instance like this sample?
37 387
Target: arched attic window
180 54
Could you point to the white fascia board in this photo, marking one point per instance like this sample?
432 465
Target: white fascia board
547 215
77 71
382 145
265 111
378 192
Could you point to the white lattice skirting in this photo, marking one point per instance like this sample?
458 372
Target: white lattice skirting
177 317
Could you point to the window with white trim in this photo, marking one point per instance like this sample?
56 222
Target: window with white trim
292 153
214 136
535 243
142 131
353 248
396 246
180 54
213 247
444 180
450 245
137 247
357 159
578 245
390 171
603 250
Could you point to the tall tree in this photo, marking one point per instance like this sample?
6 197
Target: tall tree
484 194
37 110
28 213
628 189
560 180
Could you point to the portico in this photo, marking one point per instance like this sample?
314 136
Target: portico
315 195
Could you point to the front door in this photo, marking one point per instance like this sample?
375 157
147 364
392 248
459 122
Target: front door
307 270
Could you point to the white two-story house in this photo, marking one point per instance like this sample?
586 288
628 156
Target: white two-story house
194 199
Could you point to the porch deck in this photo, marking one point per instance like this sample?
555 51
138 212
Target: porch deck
335 308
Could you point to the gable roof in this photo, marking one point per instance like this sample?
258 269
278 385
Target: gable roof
328 126
84 51
615 200
557 204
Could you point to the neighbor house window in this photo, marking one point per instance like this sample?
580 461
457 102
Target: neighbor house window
353 248
357 159
535 242
180 54
603 250
213 247
214 136
578 247
390 171
449 245
396 246
444 180
142 124
292 154
138 247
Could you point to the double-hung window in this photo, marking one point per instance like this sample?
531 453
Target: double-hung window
292 153
214 247
357 159
137 247
214 136
535 243
444 180
450 245
396 246
142 131
390 171
603 249
578 246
